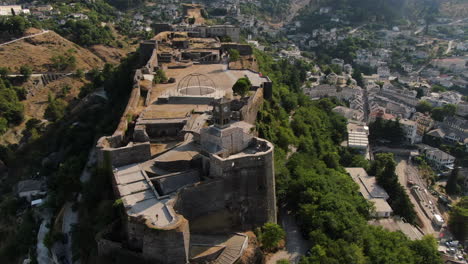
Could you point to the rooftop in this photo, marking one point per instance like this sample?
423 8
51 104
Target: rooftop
139 196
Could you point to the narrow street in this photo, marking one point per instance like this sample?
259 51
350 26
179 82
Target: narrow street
406 171
366 108
296 245
70 217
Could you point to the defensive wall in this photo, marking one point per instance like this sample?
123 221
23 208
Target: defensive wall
242 184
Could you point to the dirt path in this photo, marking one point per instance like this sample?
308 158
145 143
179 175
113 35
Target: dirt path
25 37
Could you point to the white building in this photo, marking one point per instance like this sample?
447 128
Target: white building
371 191
29 188
358 137
438 158
410 128
10 10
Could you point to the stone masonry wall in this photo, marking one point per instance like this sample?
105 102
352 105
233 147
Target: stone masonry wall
167 246
247 188
135 152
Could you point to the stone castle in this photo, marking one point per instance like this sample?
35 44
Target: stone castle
187 164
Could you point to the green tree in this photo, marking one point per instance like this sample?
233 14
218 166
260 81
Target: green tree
439 113
191 20
424 107
438 88
56 109
3 125
159 77
452 187
426 251
242 86
458 220
4 71
270 235
234 55
26 71
357 75
384 168
10 107
64 62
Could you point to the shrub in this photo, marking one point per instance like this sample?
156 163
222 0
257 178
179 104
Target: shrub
242 86
270 235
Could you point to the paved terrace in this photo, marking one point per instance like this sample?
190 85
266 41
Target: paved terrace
139 196
223 78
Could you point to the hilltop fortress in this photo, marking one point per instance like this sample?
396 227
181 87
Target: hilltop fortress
187 164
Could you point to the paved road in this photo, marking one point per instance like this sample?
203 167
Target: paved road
25 37
355 29
296 245
41 250
449 48
406 171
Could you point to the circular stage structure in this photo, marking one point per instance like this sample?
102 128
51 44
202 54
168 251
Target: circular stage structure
196 84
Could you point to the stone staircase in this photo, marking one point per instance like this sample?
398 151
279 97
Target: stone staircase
50 77
233 250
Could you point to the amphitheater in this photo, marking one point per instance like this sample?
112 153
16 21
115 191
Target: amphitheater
187 165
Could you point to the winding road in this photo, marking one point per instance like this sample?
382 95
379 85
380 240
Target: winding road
25 37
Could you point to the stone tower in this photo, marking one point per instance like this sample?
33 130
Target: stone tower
222 113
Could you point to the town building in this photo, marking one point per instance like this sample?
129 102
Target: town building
370 190
437 158
358 137
410 129
29 189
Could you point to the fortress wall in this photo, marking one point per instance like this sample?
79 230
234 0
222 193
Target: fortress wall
133 153
112 143
243 49
198 200
250 110
167 246
246 189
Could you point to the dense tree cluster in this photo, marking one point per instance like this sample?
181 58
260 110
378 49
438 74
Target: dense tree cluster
380 11
275 8
437 113
458 220
384 169
86 32
389 130
15 25
312 182
11 109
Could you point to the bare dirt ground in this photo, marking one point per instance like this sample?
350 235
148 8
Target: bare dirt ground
246 62
38 51
37 101
196 13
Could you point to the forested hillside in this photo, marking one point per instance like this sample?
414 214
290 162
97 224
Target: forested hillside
313 183
380 11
